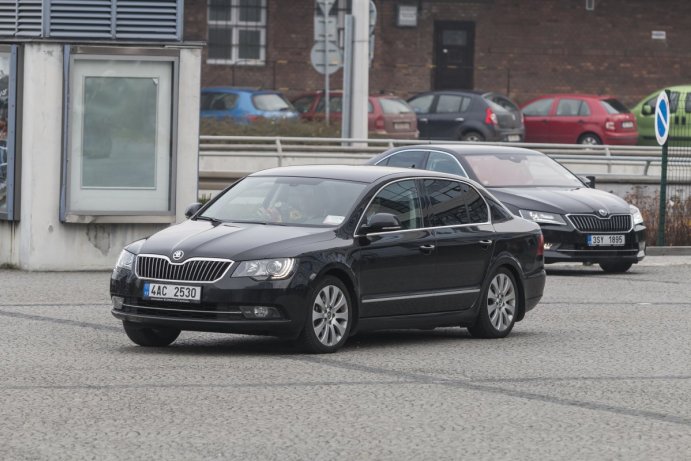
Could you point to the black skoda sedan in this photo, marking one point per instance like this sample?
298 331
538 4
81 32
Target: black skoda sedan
579 223
318 253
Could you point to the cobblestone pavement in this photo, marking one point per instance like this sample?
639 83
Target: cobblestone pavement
601 369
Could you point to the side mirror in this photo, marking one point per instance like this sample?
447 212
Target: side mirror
381 222
588 181
646 110
192 209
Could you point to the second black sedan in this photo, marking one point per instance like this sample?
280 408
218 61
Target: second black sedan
579 223
319 253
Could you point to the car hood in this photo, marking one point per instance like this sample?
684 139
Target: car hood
236 241
562 200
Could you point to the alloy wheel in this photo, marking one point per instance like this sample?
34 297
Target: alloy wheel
330 315
501 302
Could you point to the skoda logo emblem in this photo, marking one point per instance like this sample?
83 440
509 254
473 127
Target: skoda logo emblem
602 212
178 255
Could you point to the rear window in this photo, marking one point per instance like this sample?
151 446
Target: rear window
503 102
218 101
270 102
614 106
394 106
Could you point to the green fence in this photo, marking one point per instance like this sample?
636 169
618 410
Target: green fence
675 188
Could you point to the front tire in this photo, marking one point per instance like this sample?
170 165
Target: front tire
150 337
617 267
329 318
498 307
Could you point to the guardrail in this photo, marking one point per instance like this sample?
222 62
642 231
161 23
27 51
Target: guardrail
225 158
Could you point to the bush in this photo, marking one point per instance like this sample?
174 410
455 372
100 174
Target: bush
266 127
677 219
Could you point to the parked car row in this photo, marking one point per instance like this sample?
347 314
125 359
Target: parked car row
466 115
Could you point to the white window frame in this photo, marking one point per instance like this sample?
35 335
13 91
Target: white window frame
236 26
125 207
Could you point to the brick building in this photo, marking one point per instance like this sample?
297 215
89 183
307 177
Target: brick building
524 48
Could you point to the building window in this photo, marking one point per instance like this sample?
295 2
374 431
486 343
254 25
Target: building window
119 150
237 32
9 160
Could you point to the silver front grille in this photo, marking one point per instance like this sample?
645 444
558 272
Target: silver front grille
157 267
594 223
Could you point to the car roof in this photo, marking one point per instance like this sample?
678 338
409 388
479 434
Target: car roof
471 149
230 89
575 95
358 173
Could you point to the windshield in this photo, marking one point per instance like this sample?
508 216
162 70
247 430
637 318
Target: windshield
517 170
286 201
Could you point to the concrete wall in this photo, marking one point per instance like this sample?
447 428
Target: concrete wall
40 241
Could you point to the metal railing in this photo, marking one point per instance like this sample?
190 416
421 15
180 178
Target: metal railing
224 158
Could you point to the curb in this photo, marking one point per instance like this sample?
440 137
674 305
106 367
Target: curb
668 251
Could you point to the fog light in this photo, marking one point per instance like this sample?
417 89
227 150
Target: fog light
260 312
548 246
117 302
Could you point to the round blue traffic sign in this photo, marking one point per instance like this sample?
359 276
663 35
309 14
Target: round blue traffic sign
662 118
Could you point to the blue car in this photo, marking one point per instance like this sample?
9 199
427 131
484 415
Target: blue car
245 105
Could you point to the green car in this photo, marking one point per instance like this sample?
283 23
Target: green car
680 114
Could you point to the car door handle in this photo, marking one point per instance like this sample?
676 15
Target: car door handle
423 120
485 244
459 119
581 122
427 248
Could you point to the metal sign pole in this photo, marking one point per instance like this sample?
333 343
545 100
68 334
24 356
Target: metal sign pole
346 132
327 102
663 185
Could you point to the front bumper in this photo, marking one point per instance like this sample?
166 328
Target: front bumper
566 244
219 309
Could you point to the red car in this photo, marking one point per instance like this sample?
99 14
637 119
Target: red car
389 116
579 119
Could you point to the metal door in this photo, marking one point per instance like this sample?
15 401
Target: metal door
454 49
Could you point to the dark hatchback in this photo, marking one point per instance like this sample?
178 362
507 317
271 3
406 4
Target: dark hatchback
317 253
579 223
467 116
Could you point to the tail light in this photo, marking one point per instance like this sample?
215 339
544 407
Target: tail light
541 245
491 117
610 125
254 118
379 123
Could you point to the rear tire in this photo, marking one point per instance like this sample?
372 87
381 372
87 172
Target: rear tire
590 139
150 337
498 307
472 136
329 317
616 267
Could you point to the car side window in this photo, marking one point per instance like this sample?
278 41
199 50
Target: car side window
303 104
454 203
538 108
450 103
673 101
687 103
402 200
569 107
218 101
406 159
335 104
444 163
422 104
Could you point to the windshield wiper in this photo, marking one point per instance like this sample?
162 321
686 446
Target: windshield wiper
214 221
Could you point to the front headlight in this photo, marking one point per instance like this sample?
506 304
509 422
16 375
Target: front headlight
636 215
263 269
542 217
125 260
